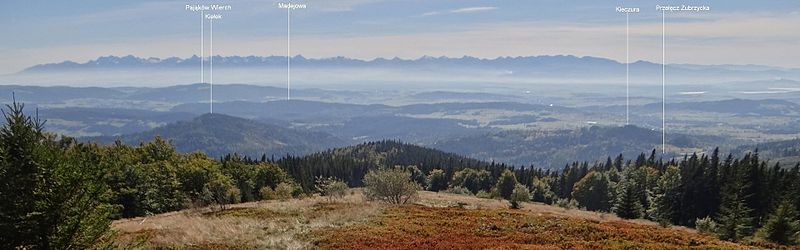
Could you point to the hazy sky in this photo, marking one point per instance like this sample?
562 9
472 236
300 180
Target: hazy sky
733 32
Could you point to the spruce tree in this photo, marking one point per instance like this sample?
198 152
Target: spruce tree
782 225
51 191
735 221
665 197
22 181
627 203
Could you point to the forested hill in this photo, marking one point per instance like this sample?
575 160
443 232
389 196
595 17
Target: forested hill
351 163
217 135
786 152
774 149
554 149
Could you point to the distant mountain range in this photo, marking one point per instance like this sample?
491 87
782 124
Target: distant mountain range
513 65
217 135
115 62
447 73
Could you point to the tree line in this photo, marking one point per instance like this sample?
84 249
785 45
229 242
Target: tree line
733 198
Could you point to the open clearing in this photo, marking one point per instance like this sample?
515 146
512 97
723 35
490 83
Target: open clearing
436 220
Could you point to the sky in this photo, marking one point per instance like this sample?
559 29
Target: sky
733 32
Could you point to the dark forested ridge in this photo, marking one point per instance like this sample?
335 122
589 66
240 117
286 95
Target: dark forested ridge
553 149
217 135
786 152
353 162
786 148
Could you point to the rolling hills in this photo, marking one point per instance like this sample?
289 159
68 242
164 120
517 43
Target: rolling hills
218 135
554 149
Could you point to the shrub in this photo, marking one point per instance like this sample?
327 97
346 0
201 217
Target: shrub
540 192
506 184
331 187
593 192
390 185
221 191
519 194
458 190
567 203
436 180
472 179
494 193
267 193
483 194
417 175
706 225
283 191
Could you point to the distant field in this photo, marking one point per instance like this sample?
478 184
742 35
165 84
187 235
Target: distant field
439 221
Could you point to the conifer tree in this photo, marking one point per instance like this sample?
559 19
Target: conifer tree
735 219
665 197
51 191
782 226
627 203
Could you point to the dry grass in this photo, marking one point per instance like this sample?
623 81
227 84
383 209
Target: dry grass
436 220
258 225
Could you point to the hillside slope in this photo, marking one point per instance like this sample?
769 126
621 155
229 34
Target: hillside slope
217 135
787 152
434 221
554 149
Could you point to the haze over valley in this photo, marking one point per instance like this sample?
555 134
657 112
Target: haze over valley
518 118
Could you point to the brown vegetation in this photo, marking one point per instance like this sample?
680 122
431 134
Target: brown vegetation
436 220
419 227
256 225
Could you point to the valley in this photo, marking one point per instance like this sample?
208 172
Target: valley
481 125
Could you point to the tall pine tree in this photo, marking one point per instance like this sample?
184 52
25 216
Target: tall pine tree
782 226
665 198
735 220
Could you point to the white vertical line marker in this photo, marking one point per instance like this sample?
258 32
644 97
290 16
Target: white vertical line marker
663 83
202 40
627 69
211 66
288 54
